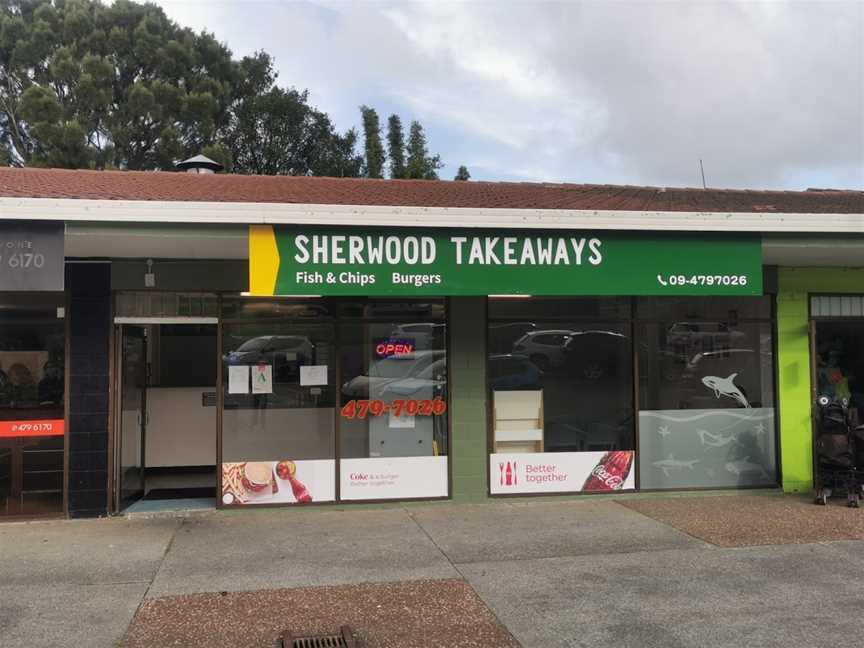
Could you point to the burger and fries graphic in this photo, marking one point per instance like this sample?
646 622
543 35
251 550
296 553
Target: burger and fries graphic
248 481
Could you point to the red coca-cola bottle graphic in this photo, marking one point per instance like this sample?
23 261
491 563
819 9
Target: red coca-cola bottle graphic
301 494
611 472
508 479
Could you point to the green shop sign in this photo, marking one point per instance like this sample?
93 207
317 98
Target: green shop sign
289 260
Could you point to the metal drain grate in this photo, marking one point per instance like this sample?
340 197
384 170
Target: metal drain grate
331 641
344 639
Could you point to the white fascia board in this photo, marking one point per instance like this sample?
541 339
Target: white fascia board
127 211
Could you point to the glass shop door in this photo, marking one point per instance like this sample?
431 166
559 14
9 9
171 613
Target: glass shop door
132 415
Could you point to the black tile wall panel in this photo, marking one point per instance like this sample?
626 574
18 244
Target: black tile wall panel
89 287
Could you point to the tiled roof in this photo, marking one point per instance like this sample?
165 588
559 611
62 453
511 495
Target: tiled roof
147 185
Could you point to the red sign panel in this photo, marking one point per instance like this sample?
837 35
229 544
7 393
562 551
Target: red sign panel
35 428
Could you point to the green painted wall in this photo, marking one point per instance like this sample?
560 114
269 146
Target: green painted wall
793 346
467 357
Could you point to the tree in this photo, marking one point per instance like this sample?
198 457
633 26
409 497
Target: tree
87 84
462 173
396 147
421 166
279 133
374 160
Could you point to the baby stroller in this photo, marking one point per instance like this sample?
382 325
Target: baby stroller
835 453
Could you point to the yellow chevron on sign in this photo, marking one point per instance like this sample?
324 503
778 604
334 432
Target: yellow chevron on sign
263 260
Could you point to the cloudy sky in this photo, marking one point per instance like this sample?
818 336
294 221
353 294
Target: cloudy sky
769 94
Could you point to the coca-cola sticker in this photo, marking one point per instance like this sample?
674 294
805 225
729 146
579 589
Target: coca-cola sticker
561 472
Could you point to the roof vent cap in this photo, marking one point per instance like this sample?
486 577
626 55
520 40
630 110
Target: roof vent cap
199 164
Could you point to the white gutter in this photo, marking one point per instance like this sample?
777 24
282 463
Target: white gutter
128 211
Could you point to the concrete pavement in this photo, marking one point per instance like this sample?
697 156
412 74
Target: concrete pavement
277 548
803 595
570 573
76 583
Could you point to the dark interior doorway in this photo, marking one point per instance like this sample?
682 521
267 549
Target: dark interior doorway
166 428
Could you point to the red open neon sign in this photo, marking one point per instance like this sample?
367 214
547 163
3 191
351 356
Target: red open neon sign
387 348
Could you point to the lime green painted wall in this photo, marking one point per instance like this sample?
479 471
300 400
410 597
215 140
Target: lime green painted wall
793 348
467 358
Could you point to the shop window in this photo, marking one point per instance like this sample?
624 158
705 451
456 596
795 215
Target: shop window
278 420
562 398
293 375
706 410
393 409
32 384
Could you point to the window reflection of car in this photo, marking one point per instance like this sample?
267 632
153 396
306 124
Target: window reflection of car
429 382
704 334
508 372
595 355
724 359
286 353
503 336
546 348
426 335
388 370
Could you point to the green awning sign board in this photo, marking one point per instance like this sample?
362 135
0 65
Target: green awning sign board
290 260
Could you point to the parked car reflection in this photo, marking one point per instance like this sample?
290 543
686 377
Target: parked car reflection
286 353
705 336
428 382
426 335
513 372
598 354
545 348
385 371
502 337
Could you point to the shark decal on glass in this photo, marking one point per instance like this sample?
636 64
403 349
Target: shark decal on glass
673 464
726 387
746 466
715 440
